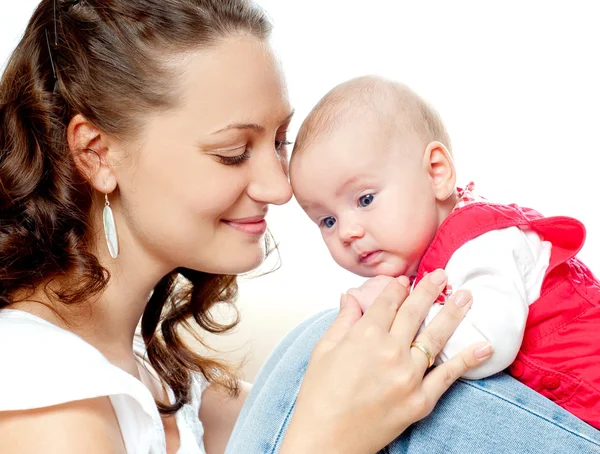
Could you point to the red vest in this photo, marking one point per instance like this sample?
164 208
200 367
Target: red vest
560 353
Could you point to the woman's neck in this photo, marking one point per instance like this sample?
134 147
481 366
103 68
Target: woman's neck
107 321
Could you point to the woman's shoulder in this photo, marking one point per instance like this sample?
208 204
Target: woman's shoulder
25 333
86 426
46 365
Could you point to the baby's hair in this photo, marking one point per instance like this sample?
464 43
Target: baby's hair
392 103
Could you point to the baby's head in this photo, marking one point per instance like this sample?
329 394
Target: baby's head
372 167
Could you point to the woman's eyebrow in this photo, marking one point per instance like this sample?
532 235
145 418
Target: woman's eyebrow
289 117
252 126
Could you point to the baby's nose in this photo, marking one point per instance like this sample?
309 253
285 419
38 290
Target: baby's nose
350 231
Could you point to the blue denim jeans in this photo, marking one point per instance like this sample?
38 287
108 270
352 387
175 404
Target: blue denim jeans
496 415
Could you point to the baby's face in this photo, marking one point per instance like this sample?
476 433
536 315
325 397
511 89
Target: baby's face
371 196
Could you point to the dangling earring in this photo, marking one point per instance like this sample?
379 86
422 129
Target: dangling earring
110 229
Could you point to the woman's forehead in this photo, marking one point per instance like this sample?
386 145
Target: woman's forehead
238 80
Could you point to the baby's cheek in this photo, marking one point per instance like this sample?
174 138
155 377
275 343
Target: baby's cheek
341 257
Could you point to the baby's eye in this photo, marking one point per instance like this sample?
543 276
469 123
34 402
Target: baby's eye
328 222
366 200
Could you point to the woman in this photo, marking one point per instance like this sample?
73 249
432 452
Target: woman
142 142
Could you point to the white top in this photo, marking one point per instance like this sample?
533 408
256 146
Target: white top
44 365
504 270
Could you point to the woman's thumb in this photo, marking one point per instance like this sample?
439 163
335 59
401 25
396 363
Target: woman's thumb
350 313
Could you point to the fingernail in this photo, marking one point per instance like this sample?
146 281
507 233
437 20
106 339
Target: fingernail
438 277
461 298
343 299
484 352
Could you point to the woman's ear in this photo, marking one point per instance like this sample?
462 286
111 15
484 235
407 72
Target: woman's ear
90 148
440 167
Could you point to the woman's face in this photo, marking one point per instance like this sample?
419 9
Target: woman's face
196 193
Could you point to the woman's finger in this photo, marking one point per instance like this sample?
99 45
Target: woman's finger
350 313
417 305
385 307
432 338
441 377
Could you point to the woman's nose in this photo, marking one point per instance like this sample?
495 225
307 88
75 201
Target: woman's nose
269 182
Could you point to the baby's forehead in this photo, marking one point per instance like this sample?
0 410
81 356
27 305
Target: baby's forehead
349 111
356 144
331 171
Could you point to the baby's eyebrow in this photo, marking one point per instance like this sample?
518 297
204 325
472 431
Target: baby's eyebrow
309 206
349 182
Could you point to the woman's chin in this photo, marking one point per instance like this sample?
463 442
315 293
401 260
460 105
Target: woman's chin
242 262
250 264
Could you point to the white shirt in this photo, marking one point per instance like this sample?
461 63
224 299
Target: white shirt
504 270
44 365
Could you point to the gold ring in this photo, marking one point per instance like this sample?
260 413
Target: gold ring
421 346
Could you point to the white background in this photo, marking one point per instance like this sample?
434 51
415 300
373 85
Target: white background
517 83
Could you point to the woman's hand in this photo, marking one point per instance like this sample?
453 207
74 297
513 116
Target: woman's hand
365 384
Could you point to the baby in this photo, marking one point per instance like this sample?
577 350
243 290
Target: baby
372 167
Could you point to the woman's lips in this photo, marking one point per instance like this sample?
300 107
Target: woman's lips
255 225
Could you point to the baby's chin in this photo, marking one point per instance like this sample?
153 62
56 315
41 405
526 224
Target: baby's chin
385 269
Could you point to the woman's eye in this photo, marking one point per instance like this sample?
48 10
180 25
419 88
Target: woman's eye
366 200
281 149
234 160
280 144
328 222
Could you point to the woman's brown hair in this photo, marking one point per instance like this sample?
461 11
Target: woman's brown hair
106 60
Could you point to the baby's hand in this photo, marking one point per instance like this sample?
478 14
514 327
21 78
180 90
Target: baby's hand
371 288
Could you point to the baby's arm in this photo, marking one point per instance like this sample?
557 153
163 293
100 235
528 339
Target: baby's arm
504 270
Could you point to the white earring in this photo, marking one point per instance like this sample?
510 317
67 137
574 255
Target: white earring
110 229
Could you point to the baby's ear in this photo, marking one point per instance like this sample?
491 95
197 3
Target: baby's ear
440 167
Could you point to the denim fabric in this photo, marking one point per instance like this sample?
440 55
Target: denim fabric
496 415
